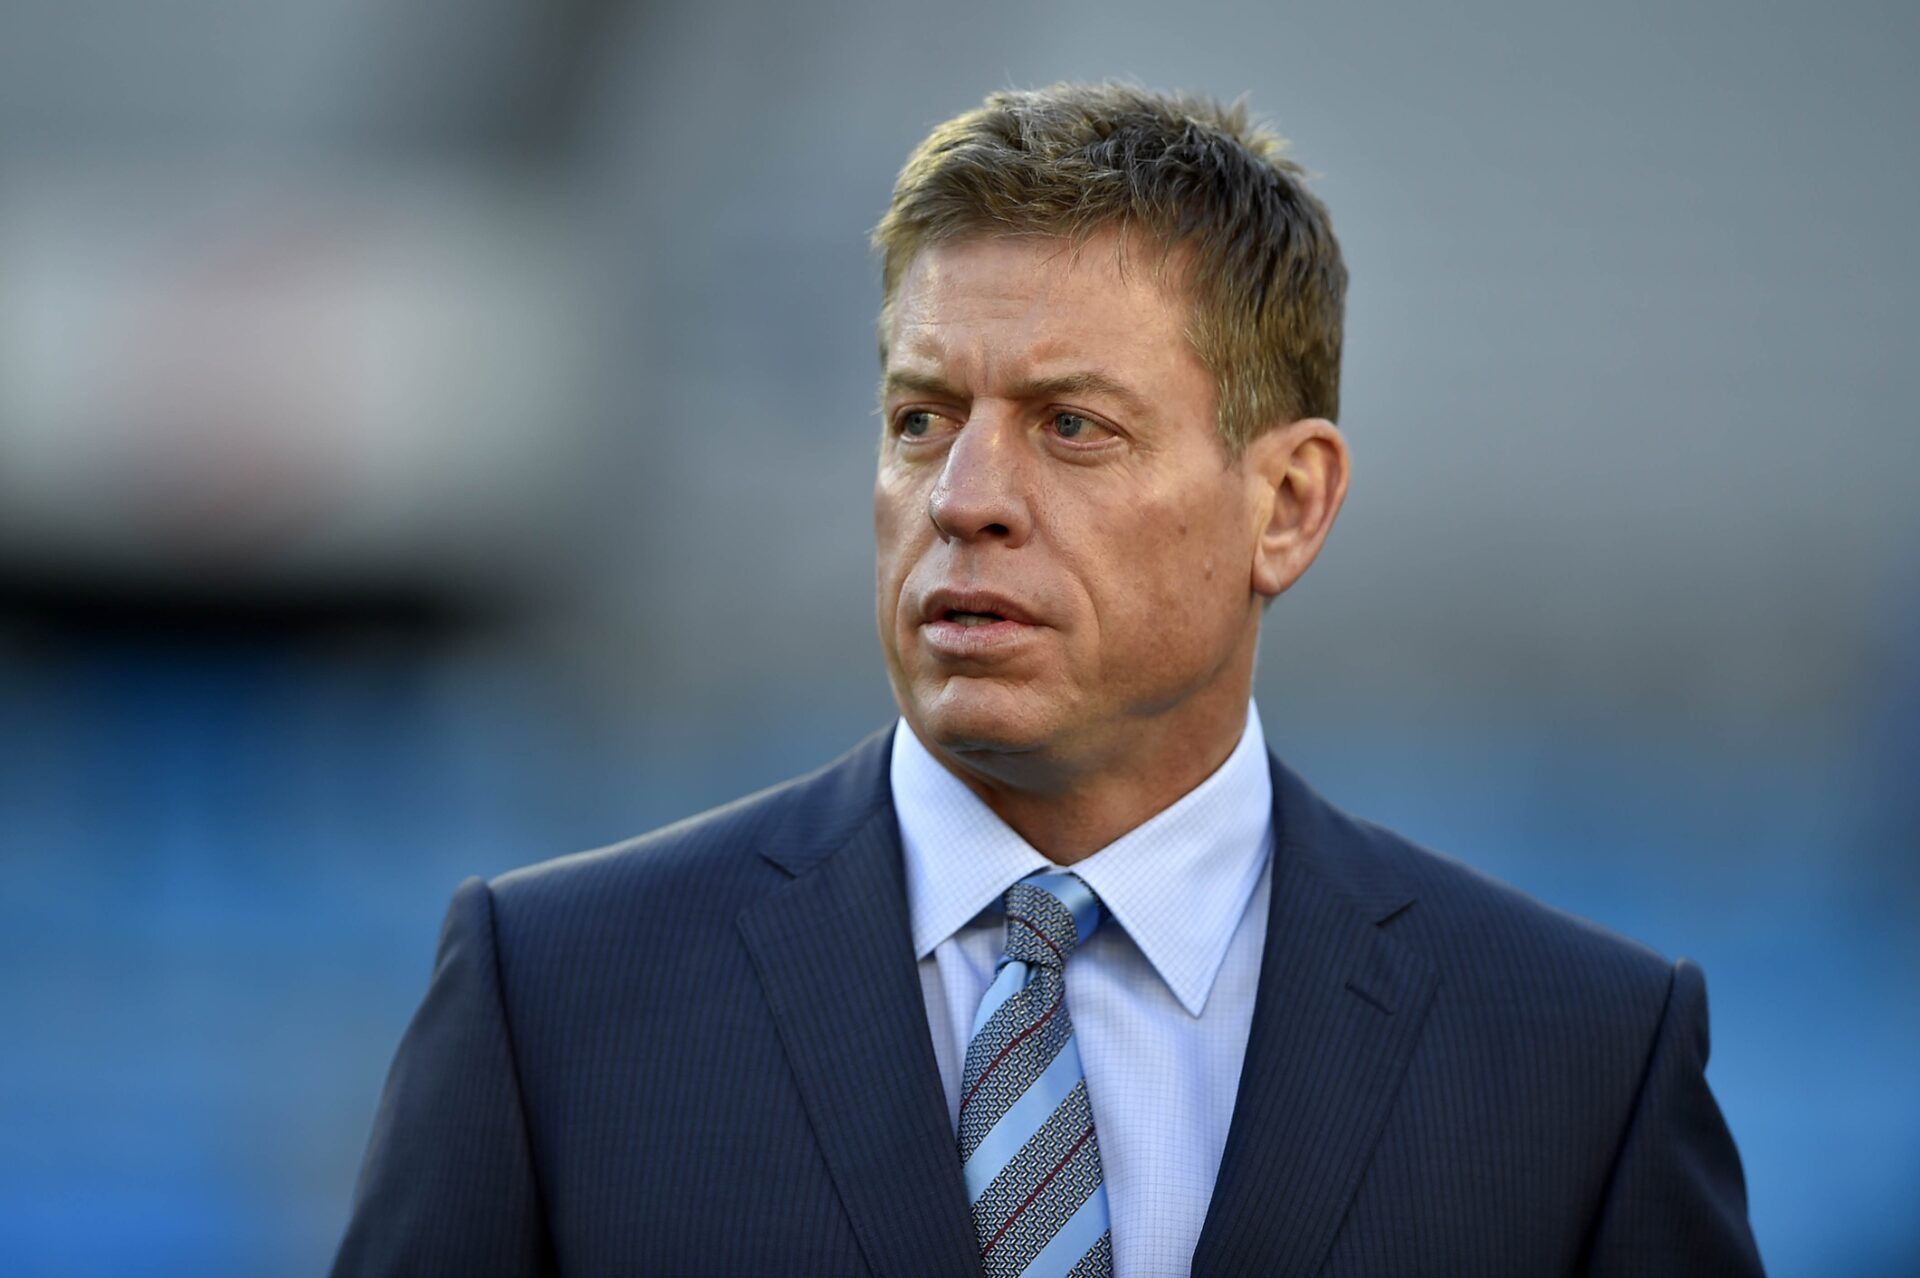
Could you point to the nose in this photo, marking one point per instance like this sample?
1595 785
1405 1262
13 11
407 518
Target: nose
982 489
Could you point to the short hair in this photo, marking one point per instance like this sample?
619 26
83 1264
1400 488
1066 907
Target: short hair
1264 274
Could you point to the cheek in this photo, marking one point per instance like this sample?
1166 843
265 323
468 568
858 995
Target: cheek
895 539
1176 588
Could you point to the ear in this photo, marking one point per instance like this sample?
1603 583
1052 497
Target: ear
1297 475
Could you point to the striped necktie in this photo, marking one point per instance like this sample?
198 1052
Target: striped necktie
1032 1162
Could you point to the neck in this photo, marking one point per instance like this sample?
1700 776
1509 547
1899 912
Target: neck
1070 811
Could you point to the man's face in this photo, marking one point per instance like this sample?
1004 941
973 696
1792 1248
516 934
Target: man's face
1063 544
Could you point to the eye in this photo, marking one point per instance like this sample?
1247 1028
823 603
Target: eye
1078 427
917 423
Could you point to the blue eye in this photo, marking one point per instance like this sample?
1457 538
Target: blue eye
916 423
1069 425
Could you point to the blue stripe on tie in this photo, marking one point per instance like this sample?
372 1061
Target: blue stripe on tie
1008 981
1022 1119
1076 896
1081 1232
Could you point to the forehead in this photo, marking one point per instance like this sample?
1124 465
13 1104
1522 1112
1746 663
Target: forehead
1014 304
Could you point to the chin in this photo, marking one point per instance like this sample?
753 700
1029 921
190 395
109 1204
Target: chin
968 716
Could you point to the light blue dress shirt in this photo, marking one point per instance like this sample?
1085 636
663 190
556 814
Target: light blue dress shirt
1161 996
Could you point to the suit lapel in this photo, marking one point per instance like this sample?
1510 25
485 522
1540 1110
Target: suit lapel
835 956
1339 1009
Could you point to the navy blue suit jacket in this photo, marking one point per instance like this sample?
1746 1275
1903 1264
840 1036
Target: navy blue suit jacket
705 1052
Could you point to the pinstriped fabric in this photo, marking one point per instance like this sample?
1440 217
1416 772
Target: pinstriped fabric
705 1052
1031 1162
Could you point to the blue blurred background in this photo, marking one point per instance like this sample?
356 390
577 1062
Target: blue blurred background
436 436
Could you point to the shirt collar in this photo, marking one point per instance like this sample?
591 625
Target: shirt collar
1176 885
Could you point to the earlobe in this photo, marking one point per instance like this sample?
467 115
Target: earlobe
1301 472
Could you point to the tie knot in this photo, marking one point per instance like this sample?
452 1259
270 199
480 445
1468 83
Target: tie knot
1048 915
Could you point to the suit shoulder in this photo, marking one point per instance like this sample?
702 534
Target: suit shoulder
1473 911
1470 900
1548 983
1479 930
714 855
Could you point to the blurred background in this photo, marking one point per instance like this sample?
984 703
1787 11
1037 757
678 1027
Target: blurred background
436 436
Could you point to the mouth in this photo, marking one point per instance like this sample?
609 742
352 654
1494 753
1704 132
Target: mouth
972 608
970 619
973 624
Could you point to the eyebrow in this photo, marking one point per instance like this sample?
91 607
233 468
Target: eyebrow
1085 382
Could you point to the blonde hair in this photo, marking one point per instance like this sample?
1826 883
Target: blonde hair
1263 270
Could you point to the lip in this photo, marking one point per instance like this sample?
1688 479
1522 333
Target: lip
942 602
956 640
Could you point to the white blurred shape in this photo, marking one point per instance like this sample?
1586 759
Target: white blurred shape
242 382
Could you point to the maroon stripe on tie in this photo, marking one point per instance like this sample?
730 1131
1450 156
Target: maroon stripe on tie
1047 1180
1012 1043
1033 928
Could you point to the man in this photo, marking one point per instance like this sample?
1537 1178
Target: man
1065 974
